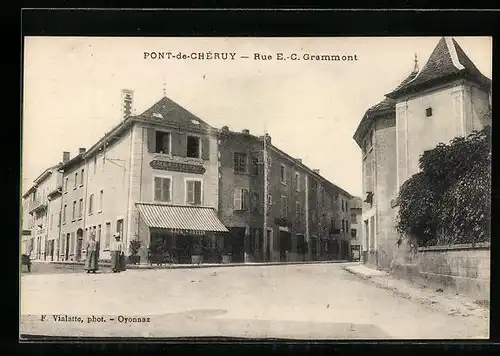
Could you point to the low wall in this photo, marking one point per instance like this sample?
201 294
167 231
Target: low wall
463 269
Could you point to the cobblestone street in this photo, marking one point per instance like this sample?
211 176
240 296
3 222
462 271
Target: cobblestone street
293 301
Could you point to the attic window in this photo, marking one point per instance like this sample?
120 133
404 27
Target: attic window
158 115
428 112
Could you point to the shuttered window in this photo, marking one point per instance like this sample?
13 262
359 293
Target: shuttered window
240 199
163 189
284 206
193 192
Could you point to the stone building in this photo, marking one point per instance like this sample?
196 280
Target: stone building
448 97
304 216
357 236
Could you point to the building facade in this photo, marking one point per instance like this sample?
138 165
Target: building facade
275 207
41 206
448 97
170 181
357 236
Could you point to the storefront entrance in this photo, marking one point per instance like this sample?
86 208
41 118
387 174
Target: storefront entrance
285 245
237 243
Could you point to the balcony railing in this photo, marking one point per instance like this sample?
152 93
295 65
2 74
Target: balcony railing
37 204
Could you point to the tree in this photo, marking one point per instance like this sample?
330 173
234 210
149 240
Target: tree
448 201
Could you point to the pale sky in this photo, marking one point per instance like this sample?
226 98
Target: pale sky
310 108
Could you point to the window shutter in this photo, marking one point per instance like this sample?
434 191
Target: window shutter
197 192
190 191
205 149
182 145
151 133
166 189
368 177
237 199
157 189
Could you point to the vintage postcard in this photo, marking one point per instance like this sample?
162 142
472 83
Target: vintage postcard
328 188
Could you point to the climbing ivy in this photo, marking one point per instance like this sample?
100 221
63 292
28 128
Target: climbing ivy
448 201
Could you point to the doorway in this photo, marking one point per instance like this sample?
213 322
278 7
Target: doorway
79 244
51 250
285 245
66 252
237 243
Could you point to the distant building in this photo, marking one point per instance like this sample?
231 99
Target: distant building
42 204
357 236
448 97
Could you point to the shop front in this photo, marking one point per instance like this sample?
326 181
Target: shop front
182 234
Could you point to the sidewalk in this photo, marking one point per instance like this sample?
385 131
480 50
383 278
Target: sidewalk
438 300
203 265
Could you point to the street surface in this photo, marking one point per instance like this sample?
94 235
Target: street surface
294 301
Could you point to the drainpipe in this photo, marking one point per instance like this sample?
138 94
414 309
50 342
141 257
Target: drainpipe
60 215
85 197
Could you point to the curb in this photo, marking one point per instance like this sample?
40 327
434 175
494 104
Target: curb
191 266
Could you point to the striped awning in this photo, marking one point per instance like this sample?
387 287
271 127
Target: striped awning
194 219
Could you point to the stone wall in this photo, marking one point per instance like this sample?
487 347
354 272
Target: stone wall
463 269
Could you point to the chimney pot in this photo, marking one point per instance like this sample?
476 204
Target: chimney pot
65 156
245 131
81 150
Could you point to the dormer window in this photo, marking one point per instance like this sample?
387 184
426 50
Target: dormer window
428 112
193 147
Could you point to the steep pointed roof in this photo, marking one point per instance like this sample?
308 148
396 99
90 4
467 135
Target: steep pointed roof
167 111
448 61
385 107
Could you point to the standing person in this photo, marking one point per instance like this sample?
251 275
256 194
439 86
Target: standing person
92 261
116 252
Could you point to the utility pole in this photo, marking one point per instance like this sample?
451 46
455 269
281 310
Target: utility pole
266 193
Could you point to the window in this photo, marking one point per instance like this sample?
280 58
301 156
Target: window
81 177
347 226
163 142
76 180
283 174
193 147
353 233
255 165
58 219
342 202
101 200
298 211
284 206
162 189
240 162
346 206
107 235
193 192
297 181
64 213
119 228
65 185
428 112
240 199
91 204
74 211
80 209
343 226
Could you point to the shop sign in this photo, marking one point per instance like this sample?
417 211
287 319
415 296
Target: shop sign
177 167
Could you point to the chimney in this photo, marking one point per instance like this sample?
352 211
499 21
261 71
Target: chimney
65 157
245 132
267 138
316 171
126 103
81 150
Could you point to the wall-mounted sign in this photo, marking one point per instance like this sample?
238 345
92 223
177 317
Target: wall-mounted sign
177 167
